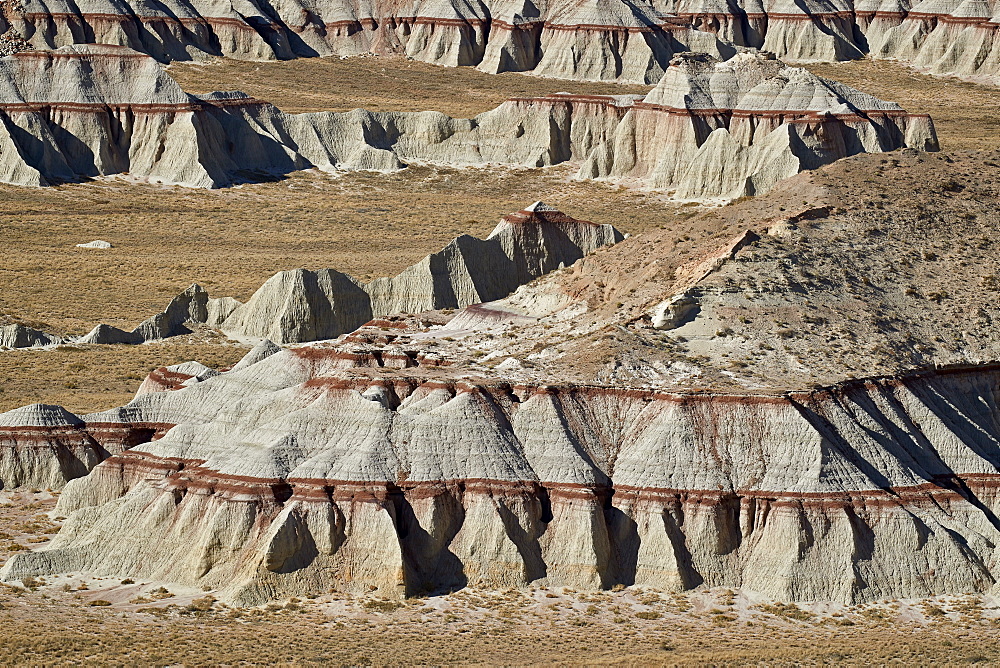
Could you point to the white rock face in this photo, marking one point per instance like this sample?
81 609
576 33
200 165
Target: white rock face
609 40
296 474
21 336
737 128
627 41
709 129
95 244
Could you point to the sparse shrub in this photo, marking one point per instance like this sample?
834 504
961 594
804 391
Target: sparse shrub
382 605
99 603
648 614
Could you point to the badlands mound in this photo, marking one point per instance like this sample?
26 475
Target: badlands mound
803 405
612 40
708 130
301 305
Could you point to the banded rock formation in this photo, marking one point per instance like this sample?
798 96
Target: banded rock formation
610 40
293 475
614 40
757 122
593 460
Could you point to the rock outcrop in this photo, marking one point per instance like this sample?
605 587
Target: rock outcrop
293 475
22 336
708 130
561 437
301 305
615 40
190 307
610 40
737 128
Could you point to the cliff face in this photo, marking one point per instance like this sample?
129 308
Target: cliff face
293 474
577 40
637 417
605 41
64 121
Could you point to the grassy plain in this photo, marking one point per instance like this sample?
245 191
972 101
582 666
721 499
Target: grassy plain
383 83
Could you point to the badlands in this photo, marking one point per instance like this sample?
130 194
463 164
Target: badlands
356 391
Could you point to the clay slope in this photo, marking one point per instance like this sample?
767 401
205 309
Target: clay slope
581 433
609 40
300 473
757 122
302 305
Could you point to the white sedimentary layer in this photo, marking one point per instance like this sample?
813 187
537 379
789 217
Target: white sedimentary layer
709 129
608 40
21 336
288 476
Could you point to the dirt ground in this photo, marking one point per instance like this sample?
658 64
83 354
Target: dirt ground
377 83
95 620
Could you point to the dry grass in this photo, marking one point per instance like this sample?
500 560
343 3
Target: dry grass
377 83
86 379
231 240
964 113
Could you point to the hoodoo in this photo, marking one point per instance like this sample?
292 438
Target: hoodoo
708 130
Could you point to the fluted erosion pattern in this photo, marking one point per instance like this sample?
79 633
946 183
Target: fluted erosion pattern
708 130
614 40
610 40
292 474
301 305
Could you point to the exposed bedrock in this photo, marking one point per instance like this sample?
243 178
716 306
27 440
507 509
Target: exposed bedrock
300 305
613 40
708 130
626 41
290 476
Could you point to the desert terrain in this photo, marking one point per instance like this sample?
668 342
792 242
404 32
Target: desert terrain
862 271
100 620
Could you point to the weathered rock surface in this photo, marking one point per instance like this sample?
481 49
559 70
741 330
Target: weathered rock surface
737 128
628 41
610 40
412 457
292 476
22 336
189 307
44 446
300 305
709 129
